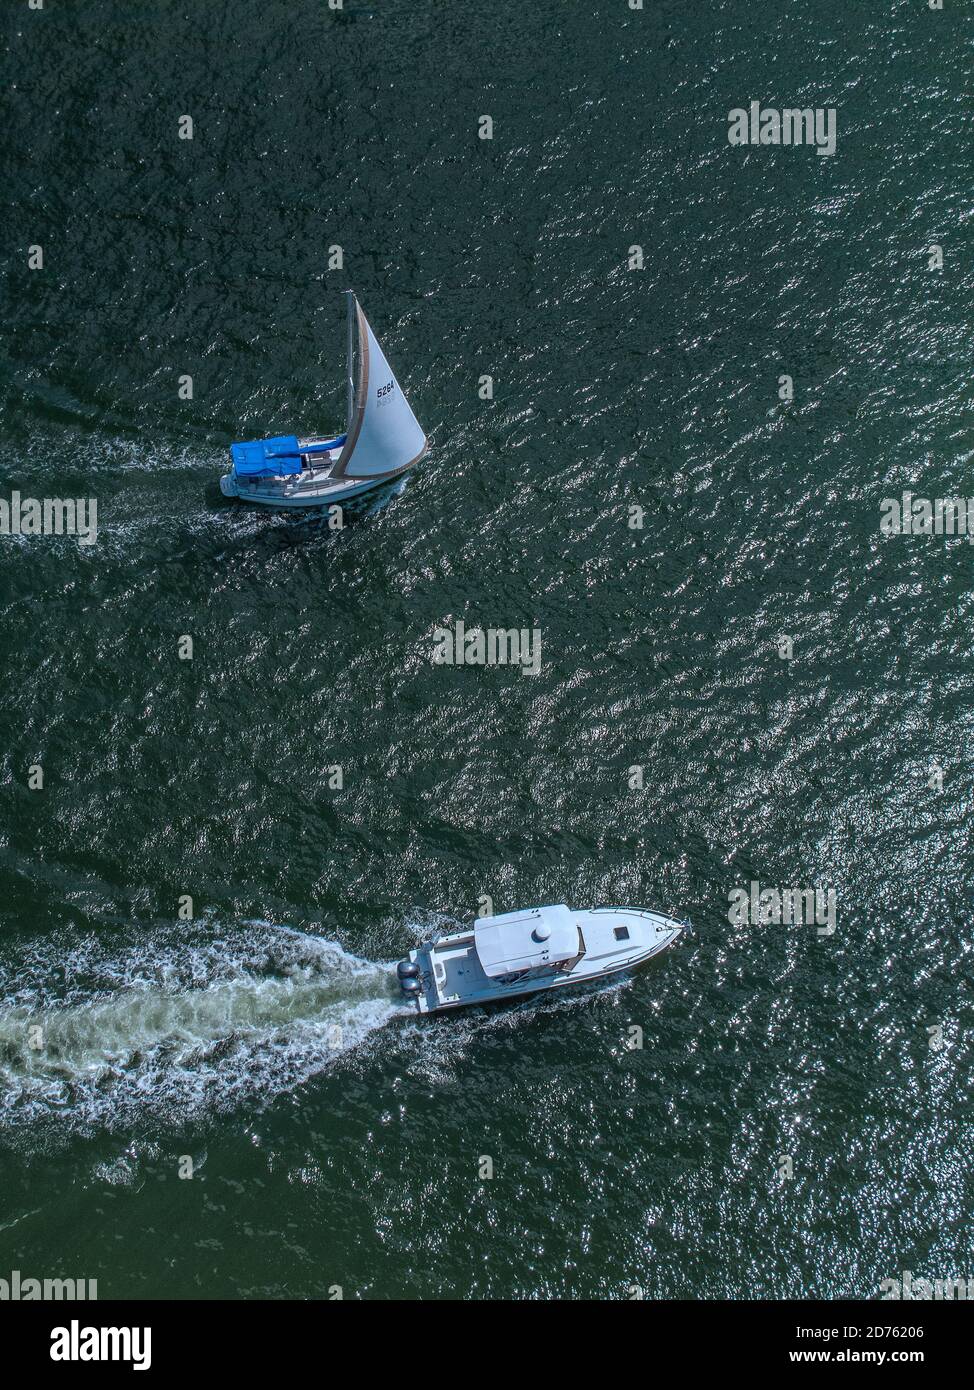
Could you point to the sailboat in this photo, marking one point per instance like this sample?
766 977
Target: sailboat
382 440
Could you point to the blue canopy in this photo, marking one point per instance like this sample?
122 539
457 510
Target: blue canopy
267 458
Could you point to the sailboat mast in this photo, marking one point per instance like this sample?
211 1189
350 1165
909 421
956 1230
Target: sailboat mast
351 347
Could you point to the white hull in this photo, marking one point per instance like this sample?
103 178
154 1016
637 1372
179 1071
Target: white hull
323 492
451 976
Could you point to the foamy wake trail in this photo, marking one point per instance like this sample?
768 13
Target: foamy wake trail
174 1026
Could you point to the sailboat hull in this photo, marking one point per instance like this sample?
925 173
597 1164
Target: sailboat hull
277 495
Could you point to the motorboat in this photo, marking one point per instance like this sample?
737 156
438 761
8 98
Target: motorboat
382 440
539 948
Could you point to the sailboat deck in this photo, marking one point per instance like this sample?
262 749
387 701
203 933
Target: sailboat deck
308 481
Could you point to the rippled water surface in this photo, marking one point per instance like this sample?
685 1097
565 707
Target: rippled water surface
335 1138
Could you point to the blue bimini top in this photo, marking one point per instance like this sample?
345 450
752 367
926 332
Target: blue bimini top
267 458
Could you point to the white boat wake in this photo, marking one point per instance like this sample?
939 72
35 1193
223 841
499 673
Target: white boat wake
173 1027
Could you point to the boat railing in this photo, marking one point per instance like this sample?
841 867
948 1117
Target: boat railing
283 486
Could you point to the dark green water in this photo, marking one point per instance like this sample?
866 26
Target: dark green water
351 1157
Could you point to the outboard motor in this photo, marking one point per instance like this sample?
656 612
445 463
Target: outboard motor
408 972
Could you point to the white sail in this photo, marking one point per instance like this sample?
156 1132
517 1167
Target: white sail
384 435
